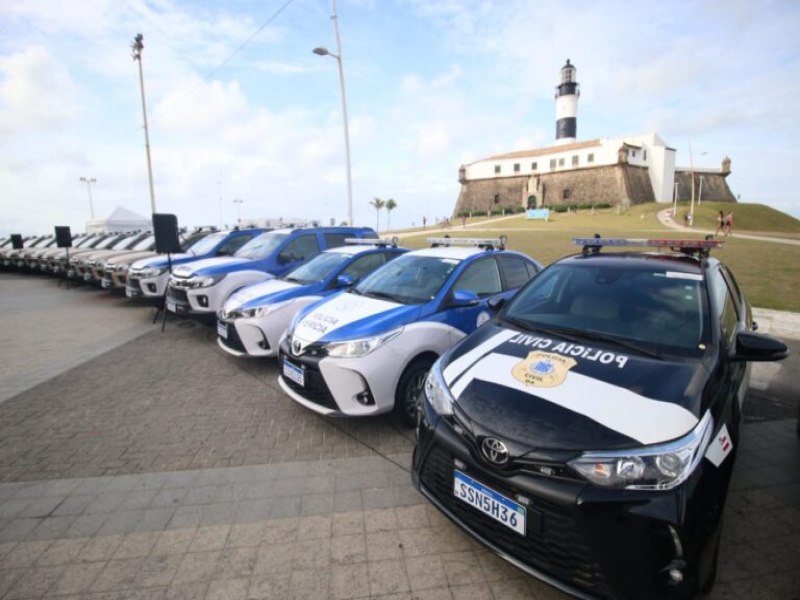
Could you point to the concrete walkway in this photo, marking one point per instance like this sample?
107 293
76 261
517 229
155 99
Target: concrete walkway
665 218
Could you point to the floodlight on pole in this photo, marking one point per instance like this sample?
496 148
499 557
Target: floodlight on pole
136 52
321 51
89 181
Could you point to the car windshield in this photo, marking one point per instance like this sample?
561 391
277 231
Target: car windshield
190 239
318 268
206 244
648 305
261 246
106 242
145 244
125 243
409 279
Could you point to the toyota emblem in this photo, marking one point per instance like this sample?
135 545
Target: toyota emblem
297 346
494 451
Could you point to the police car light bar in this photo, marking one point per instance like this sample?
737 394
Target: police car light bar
373 241
480 242
594 244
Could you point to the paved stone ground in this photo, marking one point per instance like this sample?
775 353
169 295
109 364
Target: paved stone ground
160 467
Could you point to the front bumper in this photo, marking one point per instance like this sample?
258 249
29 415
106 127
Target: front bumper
244 337
587 541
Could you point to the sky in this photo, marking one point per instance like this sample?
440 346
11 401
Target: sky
240 109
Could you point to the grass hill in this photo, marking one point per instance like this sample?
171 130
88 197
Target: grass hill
767 271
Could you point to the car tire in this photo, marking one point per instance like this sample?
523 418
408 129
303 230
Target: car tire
406 398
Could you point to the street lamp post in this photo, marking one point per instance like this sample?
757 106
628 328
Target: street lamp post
338 56
238 202
136 52
89 181
700 191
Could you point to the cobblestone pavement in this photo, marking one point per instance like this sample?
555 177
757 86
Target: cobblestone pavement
160 467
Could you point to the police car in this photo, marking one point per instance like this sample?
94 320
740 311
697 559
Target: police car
367 351
587 434
252 320
147 278
199 288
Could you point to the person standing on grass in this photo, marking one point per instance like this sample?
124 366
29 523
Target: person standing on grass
729 223
720 223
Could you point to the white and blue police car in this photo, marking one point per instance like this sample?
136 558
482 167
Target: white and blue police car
147 278
588 432
199 288
367 351
252 320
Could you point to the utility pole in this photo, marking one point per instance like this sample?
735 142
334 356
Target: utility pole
136 52
89 181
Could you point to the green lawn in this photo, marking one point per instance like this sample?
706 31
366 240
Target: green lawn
767 271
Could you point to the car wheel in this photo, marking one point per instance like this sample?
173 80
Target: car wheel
406 398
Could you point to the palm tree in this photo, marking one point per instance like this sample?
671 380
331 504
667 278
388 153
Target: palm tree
390 205
378 204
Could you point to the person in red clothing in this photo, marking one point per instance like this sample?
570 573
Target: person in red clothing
720 223
729 223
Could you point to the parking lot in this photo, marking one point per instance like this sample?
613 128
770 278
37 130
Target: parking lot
142 464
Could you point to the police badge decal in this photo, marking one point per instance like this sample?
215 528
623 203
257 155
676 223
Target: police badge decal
543 369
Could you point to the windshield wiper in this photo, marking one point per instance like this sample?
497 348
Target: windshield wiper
385 296
293 280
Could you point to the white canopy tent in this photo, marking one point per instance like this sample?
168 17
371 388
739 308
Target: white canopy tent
121 219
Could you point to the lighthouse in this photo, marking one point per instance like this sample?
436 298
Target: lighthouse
567 93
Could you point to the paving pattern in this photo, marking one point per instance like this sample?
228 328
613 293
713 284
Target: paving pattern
160 467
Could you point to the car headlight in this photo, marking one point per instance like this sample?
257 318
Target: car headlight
207 281
659 467
437 392
263 311
360 347
149 272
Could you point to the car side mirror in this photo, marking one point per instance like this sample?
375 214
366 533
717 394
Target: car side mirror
463 298
759 347
344 281
497 303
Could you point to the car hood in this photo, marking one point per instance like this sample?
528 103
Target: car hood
546 393
350 316
212 266
130 257
266 292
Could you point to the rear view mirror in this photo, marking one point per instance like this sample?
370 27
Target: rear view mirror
344 280
462 298
759 347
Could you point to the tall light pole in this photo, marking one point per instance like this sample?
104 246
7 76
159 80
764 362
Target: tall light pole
675 201
136 52
700 192
89 181
338 56
219 199
238 202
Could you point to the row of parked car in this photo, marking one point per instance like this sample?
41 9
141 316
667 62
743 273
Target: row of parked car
581 420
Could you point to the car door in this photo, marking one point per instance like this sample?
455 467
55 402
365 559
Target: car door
482 277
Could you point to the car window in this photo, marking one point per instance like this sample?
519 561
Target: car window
318 268
262 245
410 279
481 277
650 304
725 304
515 271
334 240
233 245
365 264
302 247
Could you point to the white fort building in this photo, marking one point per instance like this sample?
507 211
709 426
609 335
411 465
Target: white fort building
620 171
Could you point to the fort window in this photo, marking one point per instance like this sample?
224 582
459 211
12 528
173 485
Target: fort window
575 161
565 195
560 162
516 167
644 154
497 169
534 166
552 163
590 158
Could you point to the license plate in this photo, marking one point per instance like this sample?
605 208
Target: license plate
222 329
87 276
489 502
171 306
294 373
105 283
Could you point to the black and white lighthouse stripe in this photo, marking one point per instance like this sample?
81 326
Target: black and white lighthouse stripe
567 93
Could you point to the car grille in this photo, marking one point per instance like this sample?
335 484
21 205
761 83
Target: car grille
315 389
178 295
134 283
553 543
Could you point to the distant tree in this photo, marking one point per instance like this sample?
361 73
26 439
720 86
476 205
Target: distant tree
390 206
378 204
